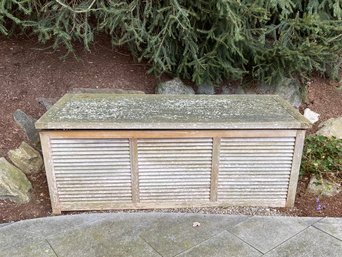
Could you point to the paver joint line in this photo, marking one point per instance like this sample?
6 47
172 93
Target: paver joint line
295 236
245 242
327 233
198 243
47 241
150 246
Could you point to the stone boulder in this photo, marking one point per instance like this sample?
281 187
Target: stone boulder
26 158
206 89
14 185
312 116
174 87
289 89
331 127
227 90
26 123
323 187
47 103
232 87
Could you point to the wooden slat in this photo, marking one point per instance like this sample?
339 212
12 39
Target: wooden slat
241 173
168 133
167 175
76 206
214 169
50 173
297 157
134 170
263 156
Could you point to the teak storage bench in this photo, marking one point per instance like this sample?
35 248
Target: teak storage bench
116 151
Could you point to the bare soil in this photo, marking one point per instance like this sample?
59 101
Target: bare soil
29 70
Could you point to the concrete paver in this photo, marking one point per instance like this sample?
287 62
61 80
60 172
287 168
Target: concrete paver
176 234
265 233
332 226
28 230
223 244
309 243
117 235
34 248
171 234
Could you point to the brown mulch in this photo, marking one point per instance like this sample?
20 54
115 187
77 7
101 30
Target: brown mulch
305 204
27 71
324 98
39 206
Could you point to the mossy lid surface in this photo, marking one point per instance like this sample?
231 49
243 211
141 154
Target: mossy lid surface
138 111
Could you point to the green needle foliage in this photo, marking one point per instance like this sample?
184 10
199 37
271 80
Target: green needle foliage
203 40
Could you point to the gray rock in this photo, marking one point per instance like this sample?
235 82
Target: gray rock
14 185
312 116
26 123
104 91
206 89
47 103
331 127
240 90
174 87
228 90
323 187
289 89
26 158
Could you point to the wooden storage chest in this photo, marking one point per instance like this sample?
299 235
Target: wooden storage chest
119 151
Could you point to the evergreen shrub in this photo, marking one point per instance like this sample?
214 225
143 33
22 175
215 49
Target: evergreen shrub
202 40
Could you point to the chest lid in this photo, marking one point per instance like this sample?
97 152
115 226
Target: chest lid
139 111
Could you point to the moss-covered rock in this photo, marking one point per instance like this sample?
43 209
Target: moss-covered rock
26 158
331 128
14 185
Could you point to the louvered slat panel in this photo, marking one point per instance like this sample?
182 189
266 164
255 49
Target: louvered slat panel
174 169
92 170
255 168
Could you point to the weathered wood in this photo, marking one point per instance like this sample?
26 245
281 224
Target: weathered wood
215 169
50 174
107 151
167 133
135 170
166 205
297 157
120 111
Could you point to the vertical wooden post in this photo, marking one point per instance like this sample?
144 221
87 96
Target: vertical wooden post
297 156
50 173
215 169
134 170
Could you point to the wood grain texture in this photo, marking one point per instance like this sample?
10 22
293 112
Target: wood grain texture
50 174
139 111
166 133
180 152
297 157
134 170
215 169
167 205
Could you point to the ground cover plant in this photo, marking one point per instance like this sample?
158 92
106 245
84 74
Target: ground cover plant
322 155
209 40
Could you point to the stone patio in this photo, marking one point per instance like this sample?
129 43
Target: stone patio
171 234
